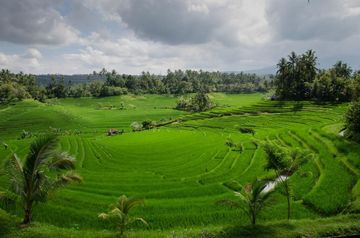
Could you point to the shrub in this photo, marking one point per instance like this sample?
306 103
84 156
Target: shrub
148 124
136 126
352 121
6 223
247 130
198 103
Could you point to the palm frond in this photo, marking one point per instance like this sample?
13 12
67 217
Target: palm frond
61 161
141 220
7 198
14 170
103 216
125 204
65 179
4 144
41 149
42 186
131 203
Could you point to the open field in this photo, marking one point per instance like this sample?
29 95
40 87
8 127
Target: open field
183 168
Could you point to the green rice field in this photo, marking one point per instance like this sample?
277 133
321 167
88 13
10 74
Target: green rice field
183 167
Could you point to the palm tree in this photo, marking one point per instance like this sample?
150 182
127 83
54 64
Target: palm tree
284 164
39 174
119 214
253 198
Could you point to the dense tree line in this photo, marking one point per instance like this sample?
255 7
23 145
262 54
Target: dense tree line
181 82
298 78
15 87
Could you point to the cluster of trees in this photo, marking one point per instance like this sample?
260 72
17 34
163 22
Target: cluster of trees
298 78
144 125
198 103
14 87
189 81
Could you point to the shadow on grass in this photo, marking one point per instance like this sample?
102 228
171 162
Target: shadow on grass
298 106
279 103
255 231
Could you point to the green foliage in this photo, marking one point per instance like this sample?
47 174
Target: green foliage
119 214
356 86
284 163
136 126
253 199
148 124
32 180
57 88
352 121
340 226
16 87
329 86
295 76
298 79
6 223
198 103
246 130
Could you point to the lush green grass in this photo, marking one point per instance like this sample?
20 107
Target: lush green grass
182 169
322 227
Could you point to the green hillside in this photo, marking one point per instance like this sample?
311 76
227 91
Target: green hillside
184 168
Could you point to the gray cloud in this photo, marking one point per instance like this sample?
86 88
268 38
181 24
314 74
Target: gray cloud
169 21
33 22
323 20
135 35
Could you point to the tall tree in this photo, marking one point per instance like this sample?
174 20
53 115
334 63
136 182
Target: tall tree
294 76
284 164
342 69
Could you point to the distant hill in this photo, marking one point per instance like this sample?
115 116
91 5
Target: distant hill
262 71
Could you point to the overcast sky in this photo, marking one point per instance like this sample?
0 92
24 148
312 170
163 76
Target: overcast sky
130 36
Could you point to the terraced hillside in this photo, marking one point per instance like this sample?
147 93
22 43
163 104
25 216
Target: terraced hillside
183 169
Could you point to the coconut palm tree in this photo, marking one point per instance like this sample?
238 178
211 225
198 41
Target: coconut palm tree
119 213
284 163
253 198
41 172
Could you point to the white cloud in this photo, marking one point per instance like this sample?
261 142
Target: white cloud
153 35
34 22
28 62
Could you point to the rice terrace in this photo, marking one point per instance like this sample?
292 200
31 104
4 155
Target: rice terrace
181 153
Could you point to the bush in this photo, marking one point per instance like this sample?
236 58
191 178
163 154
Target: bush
352 121
136 126
198 103
247 130
6 223
107 91
148 124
